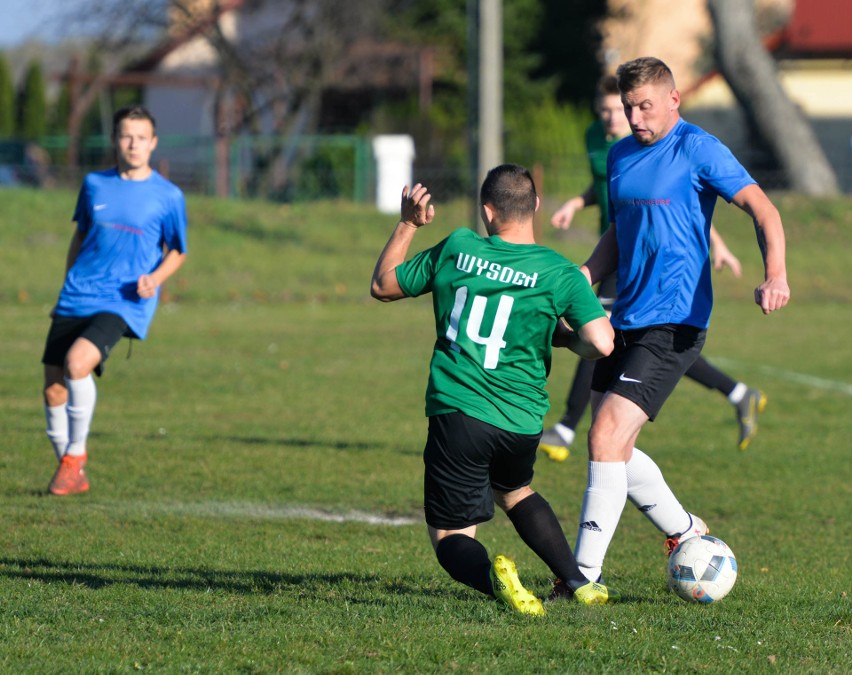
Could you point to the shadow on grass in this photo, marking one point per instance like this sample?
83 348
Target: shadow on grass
112 438
354 587
321 586
302 443
258 232
334 445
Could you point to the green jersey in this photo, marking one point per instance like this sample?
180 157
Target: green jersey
597 147
496 306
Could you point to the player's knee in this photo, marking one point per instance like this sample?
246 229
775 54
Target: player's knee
55 394
605 444
596 440
601 430
78 366
77 370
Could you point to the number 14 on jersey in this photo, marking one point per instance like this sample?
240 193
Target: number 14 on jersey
494 342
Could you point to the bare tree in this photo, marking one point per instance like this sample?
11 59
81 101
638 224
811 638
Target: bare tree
268 77
750 71
284 59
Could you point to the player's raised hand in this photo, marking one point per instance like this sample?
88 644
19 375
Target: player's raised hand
416 208
772 294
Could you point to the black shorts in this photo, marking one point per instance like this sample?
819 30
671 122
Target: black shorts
103 330
647 363
466 459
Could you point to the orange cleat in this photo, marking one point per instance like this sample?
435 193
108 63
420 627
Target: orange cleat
70 478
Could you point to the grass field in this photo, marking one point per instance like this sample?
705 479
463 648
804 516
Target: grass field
256 470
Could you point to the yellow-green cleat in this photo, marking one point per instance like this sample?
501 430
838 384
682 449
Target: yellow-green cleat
592 593
751 405
595 594
556 441
558 453
508 588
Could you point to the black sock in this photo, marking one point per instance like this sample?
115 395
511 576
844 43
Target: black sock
538 526
703 372
579 394
465 560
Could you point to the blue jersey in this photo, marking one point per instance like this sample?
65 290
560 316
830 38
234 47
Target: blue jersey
124 225
661 199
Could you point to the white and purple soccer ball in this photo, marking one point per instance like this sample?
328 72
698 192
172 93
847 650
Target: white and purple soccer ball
702 569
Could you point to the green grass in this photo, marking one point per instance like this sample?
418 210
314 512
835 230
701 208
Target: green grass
273 396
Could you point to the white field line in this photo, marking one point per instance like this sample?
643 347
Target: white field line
270 512
790 376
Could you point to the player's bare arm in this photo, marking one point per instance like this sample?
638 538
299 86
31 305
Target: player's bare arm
593 340
604 259
773 293
415 212
722 256
563 218
148 284
73 249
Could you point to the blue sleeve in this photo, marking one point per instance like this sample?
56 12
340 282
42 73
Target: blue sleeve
174 224
718 168
83 209
610 210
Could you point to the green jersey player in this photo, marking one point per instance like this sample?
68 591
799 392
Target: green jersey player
500 303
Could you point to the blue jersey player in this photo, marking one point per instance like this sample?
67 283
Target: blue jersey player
130 237
663 181
610 127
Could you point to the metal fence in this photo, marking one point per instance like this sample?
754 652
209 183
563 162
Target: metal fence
270 167
294 169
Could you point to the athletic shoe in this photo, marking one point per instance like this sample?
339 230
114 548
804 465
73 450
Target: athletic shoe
697 528
751 405
70 478
556 441
508 588
592 593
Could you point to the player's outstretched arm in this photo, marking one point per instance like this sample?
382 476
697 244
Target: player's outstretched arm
415 212
592 341
773 293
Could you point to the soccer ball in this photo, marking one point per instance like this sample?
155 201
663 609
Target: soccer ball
702 569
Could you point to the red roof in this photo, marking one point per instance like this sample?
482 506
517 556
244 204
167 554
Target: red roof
820 26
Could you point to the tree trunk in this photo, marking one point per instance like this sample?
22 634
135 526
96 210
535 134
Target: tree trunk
751 74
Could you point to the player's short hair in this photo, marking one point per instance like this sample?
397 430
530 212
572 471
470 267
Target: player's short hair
509 190
132 112
607 86
645 70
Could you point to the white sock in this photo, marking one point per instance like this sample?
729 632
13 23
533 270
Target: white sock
650 493
738 392
82 395
603 503
565 433
57 428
